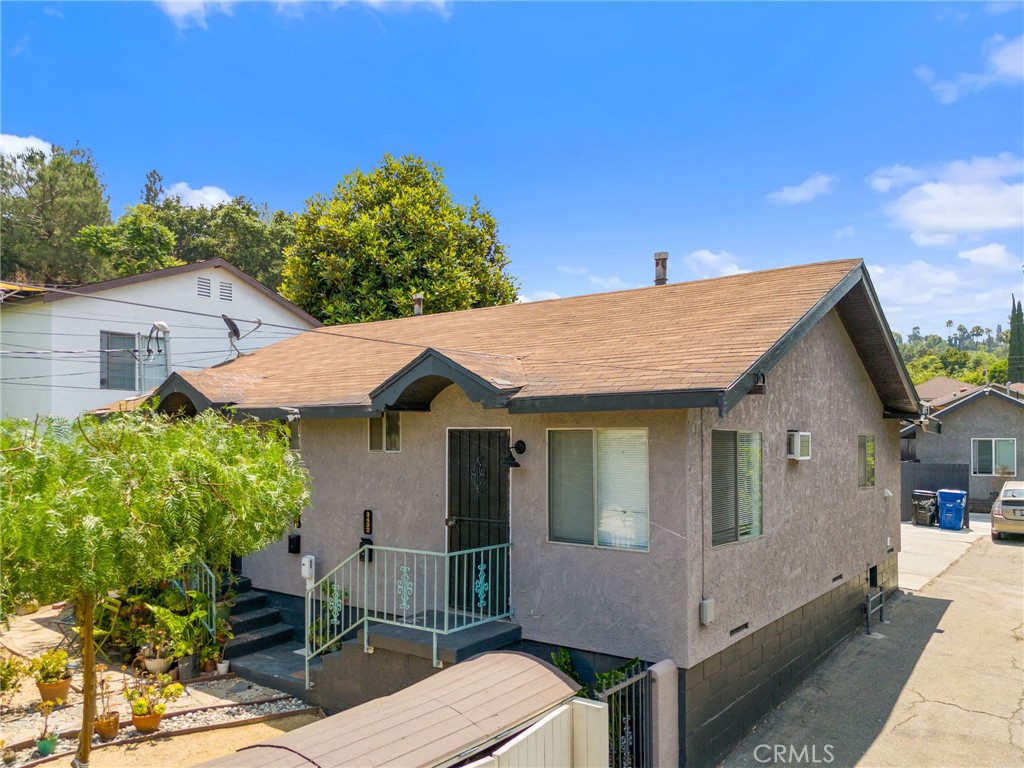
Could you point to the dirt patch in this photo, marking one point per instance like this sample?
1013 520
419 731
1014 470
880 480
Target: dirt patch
194 748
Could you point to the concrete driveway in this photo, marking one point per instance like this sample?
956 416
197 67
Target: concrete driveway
925 551
940 684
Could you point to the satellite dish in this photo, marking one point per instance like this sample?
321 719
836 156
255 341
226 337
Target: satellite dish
233 331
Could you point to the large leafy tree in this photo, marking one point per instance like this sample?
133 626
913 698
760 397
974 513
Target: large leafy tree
381 236
248 235
136 243
100 505
44 201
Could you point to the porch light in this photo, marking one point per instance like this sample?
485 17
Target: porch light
510 460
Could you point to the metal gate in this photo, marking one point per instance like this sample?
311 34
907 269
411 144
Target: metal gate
629 720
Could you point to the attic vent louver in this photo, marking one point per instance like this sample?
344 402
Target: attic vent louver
203 287
225 291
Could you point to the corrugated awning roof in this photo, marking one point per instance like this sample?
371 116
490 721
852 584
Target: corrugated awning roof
438 721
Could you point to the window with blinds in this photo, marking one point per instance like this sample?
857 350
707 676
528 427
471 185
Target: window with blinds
866 461
598 487
118 362
737 508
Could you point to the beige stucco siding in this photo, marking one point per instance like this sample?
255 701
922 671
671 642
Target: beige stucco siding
817 523
584 597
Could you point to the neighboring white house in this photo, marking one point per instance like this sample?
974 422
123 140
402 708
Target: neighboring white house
62 353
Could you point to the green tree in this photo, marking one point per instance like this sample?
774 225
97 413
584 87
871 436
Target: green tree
45 201
136 243
248 235
1015 356
97 506
363 251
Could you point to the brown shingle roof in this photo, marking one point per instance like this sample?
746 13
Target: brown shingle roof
701 335
942 387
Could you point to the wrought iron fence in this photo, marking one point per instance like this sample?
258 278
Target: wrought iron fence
629 720
435 592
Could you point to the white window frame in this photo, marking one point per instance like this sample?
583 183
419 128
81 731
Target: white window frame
547 489
384 432
138 358
740 537
992 442
862 457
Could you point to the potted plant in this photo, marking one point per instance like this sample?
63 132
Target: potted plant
209 656
108 721
9 755
52 676
148 696
185 633
47 741
224 634
155 653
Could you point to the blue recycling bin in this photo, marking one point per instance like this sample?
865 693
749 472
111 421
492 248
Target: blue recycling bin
951 508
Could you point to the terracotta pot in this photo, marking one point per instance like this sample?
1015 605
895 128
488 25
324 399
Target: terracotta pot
209 665
46 746
146 723
158 666
108 727
54 691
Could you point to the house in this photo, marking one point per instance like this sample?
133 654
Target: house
63 352
698 473
943 389
980 445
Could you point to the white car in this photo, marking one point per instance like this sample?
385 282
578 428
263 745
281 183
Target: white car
1008 509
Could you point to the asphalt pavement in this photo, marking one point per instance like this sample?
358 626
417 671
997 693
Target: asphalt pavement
940 684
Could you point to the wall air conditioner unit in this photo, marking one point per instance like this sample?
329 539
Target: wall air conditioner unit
798 445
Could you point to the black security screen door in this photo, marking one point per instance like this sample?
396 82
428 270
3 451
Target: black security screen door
478 516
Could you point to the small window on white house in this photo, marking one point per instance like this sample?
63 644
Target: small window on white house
994 456
157 367
737 508
118 362
386 432
597 487
204 288
865 461
225 291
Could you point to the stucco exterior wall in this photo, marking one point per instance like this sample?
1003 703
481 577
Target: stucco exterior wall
584 597
985 416
817 523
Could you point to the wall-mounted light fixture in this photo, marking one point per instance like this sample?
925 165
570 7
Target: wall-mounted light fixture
510 460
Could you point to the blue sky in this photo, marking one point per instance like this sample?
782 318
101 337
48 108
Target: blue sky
735 136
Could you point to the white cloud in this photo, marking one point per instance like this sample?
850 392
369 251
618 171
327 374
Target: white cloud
894 176
844 233
1001 7
705 263
992 256
185 13
964 197
612 283
526 298
54 12
812 187
11 145
204 197
1004 63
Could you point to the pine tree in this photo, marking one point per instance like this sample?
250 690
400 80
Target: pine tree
1015 359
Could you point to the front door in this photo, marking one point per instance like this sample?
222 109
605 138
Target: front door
478 518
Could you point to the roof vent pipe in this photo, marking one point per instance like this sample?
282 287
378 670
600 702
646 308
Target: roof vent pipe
417 303
661 268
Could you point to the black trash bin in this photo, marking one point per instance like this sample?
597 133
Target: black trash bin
926 507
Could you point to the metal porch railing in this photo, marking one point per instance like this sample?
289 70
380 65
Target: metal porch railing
199 578
436 592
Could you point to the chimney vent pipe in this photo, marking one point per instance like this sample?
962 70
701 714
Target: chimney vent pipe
661 268
417 303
